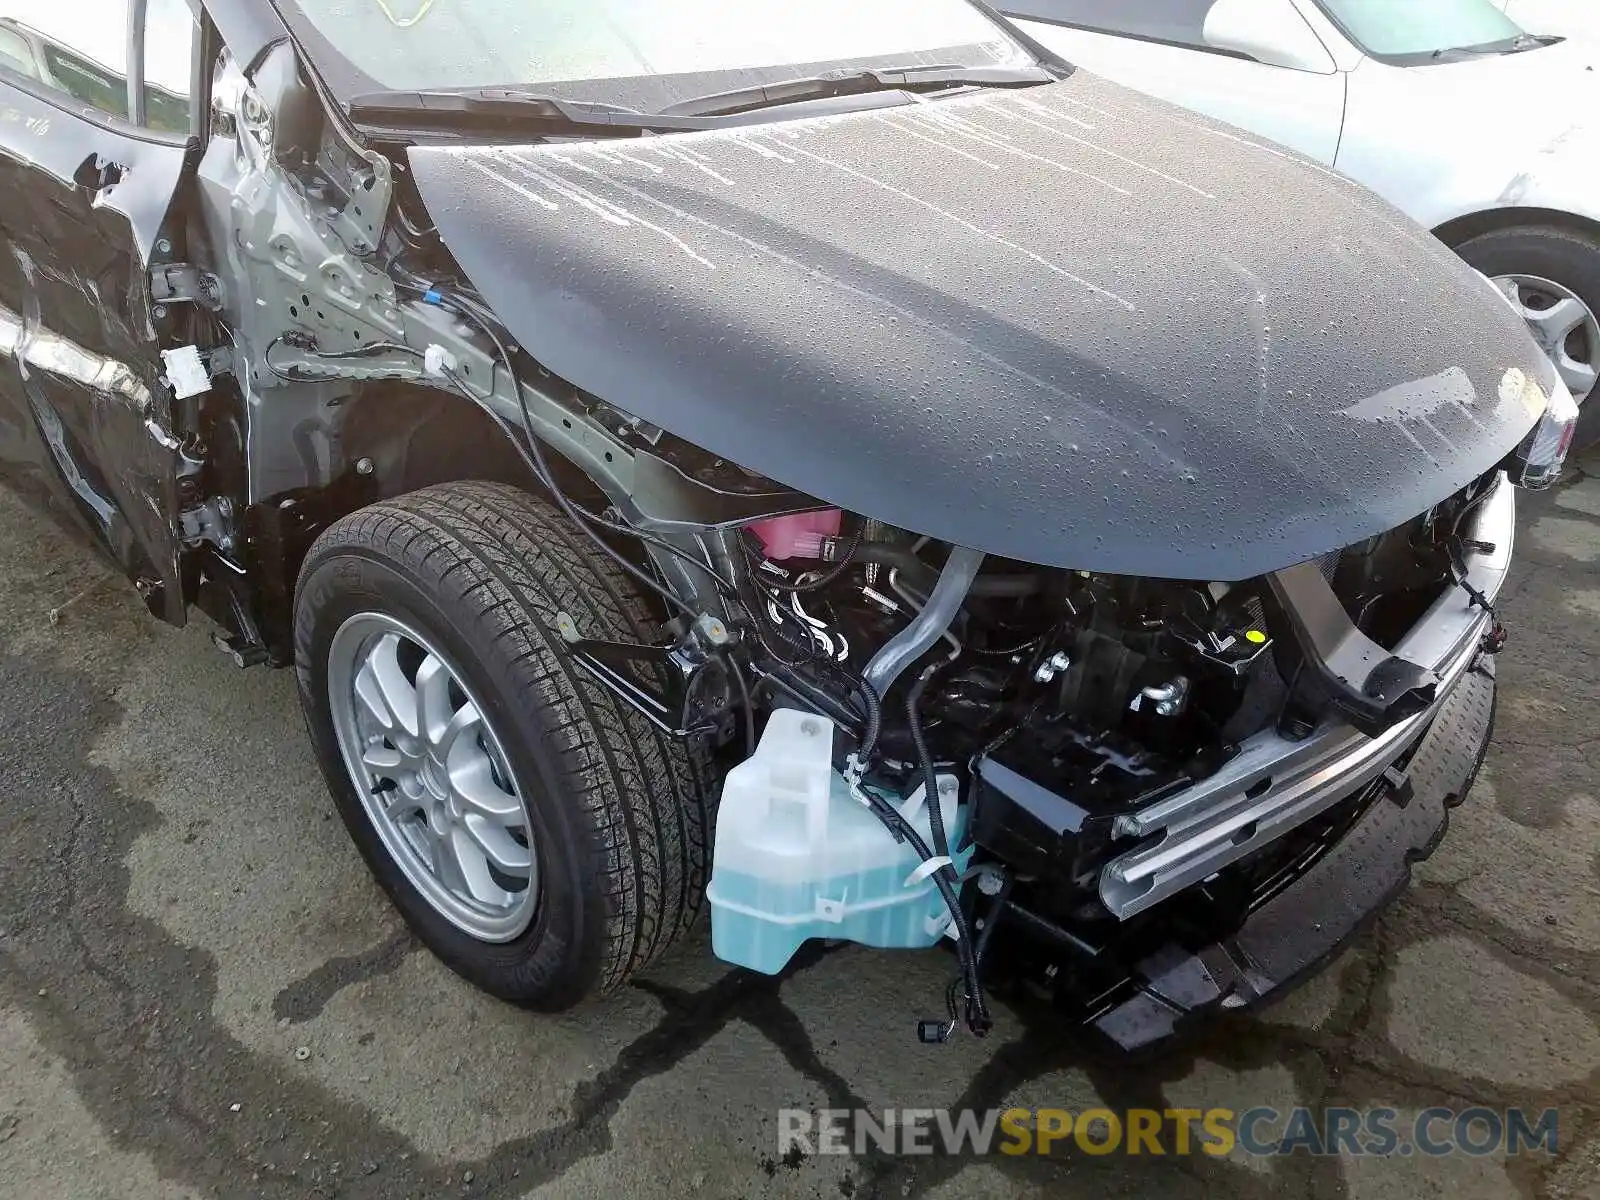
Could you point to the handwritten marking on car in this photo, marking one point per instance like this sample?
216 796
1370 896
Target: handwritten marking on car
1044 262
38 126
998 140
898 312
610 154
757 145
1122 158
543 201
694 160
595 205
607 210
1035 106
1084 104
942 145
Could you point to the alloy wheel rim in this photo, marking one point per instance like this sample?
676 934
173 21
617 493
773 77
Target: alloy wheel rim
1564 326
432 777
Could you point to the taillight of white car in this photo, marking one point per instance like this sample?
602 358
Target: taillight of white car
1538 461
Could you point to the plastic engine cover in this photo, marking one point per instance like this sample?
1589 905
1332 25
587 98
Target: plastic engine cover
798 857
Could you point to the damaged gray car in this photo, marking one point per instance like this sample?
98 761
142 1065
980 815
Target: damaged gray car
837 467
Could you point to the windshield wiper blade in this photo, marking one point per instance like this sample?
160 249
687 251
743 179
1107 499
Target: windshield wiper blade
853 82
590 118
1515 45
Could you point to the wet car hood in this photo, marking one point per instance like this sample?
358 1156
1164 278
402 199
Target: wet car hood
1070 325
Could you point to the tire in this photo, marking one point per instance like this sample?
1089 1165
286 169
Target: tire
1566 257
616 815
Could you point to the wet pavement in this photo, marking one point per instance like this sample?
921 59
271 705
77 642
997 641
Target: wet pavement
203 994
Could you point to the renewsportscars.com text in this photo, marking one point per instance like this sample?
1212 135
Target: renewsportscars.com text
1259 1132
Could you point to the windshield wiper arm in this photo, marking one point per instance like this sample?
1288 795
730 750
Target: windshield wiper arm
591 118
854 82
1534 41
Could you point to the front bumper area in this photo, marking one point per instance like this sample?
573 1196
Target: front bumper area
1275 785
1227 893
1296 931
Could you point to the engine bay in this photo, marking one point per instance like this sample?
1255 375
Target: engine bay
1065 706
1111 689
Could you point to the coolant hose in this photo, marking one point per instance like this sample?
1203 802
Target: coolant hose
912 642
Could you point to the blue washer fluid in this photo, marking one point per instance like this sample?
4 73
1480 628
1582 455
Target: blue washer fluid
796 856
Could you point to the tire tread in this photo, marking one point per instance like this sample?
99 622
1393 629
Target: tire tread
511 563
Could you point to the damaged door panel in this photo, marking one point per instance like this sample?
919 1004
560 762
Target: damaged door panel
86 413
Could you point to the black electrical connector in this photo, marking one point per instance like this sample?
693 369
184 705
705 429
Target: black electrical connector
933 1033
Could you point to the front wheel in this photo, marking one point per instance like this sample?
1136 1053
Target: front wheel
542 839
1552 275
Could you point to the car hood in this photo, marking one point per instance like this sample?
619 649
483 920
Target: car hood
1069 325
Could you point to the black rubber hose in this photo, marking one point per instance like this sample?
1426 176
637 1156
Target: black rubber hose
871 708
978 1019
887 554
930 777
903 830
977 1011
903 558
748 704
874 715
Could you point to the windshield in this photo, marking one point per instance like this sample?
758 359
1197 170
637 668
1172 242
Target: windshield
427 44
1423 30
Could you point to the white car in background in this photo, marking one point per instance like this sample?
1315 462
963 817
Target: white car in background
1482 131
1569 18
